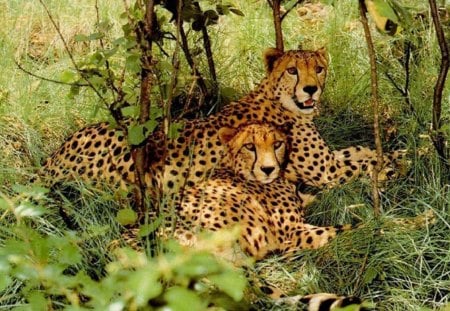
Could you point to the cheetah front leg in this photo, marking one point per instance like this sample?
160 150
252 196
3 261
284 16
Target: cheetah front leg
308 236
366 159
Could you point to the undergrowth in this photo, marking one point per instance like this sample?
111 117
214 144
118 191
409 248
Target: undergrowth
395 268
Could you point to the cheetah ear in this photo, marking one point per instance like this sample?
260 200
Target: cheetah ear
226 134
322 52
270 56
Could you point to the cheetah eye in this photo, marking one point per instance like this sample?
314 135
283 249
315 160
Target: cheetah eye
250 146
278 144
292 70
319 69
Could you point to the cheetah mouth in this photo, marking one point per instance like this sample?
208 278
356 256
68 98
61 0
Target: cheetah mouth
307 104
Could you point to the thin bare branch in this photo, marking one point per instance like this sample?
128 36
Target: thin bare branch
290 9
374 100
437 135
47 79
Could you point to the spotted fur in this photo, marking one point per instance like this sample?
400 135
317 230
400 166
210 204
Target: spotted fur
288 95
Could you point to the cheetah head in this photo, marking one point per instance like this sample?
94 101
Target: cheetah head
296 78
254 151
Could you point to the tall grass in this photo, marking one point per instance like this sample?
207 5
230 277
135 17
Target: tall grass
396 268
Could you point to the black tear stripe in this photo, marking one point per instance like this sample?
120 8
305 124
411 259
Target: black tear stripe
254 162
294 96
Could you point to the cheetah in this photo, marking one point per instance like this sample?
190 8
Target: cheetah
247 190
289 94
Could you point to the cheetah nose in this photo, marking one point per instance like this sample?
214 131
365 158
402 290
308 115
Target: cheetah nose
267 169
310 89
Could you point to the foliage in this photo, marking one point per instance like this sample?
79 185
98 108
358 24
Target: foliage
47 269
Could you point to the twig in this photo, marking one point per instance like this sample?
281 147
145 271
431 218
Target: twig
47 79
195 72
374 100
290 9
437 136
207 46
176 67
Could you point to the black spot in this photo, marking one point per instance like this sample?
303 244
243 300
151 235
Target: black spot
309 240
170 184
99 163
74 145
350 301
326 304
117 151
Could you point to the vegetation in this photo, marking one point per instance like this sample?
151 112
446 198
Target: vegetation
47 266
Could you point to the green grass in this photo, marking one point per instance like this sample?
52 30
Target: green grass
397 269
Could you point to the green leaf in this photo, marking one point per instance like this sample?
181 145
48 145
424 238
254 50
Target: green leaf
37 301
156 112
199 265
4 205
145 284
70 254
133 63
370 274
5 280
97 80
231 283
81 38
136 134
34 191
182 299
147 229
96 36
68 76
175 129
150 126
385 9
130 111
126 216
